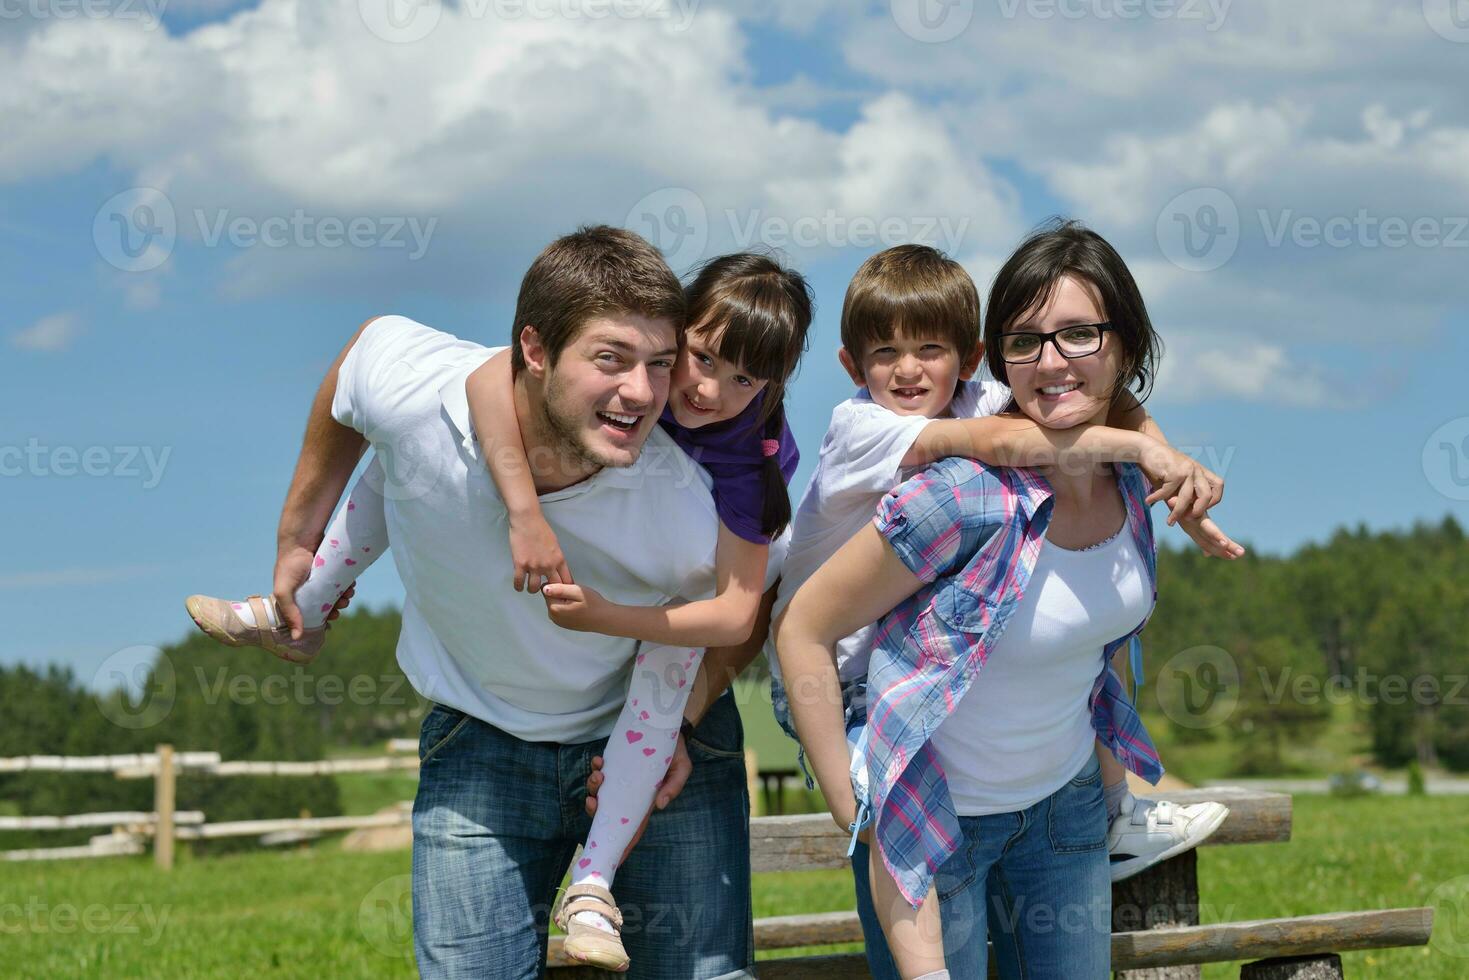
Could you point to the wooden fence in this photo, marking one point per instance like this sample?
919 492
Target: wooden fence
166 824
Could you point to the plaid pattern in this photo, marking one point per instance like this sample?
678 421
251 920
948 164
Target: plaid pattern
972 534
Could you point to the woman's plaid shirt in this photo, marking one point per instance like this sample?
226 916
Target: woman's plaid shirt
972 533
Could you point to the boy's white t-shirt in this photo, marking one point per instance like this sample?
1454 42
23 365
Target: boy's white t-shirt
640 535
861 460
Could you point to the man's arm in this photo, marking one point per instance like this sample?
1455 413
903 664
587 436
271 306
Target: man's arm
329 453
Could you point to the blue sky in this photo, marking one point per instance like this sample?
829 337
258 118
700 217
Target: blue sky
1287 181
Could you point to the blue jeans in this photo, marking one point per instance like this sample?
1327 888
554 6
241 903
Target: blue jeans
1037 881
496 821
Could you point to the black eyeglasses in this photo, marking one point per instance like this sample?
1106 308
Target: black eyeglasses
1077 340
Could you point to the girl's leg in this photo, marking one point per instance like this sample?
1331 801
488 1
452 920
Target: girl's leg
356 537
636 759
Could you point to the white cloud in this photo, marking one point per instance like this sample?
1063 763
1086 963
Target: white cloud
50 333
496 129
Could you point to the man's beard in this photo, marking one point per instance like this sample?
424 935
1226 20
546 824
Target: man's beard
564 429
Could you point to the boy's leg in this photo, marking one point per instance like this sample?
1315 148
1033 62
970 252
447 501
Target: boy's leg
1114 780
489 848
685 890
879 958
915 937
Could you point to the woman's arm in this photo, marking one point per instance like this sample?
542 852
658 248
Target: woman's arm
490 390
724 621
858 585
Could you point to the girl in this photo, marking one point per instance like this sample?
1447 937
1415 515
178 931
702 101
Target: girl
1003 594
748 321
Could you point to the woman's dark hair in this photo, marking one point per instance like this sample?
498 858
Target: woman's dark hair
759 313
1060 248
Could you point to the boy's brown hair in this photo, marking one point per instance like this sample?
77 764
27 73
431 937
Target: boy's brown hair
910 291
596 271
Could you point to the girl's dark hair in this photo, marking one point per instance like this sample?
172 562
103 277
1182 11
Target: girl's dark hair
759 313
1063 247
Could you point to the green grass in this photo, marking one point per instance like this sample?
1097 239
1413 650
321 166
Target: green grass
324 912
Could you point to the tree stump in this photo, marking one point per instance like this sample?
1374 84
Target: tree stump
1165 895
1327 967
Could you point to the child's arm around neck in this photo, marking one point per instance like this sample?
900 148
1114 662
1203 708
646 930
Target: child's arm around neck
490 390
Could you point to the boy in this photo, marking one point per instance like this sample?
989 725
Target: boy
911 343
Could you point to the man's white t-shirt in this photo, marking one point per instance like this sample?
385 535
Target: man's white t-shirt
639 535
861 460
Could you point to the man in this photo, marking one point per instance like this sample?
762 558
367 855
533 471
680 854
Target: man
522 706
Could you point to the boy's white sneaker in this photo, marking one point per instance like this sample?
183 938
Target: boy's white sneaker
1146 832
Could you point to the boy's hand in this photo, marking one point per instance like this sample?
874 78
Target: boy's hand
536 554
1190 488
576 607
1211 541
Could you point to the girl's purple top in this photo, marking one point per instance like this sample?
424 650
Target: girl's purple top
733 454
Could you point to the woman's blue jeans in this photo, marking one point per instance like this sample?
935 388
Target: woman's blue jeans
1036 882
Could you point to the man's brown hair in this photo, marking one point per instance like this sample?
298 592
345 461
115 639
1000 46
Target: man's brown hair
910 291
596 271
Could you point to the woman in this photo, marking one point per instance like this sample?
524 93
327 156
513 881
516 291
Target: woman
990 683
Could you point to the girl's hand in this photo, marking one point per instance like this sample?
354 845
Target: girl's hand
576 607
536 554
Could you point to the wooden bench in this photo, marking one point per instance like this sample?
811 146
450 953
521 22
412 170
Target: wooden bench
1156 929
